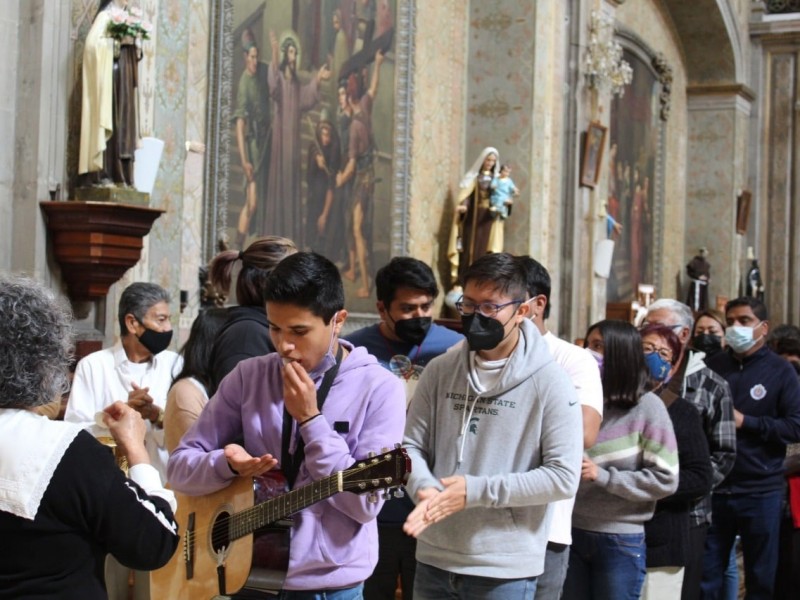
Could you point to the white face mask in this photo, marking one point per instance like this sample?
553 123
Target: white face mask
740 337
329 359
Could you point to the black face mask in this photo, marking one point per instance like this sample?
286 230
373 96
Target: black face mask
708 343
155 341
412 331
482 333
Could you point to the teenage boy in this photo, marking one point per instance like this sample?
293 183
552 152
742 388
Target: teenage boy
334 544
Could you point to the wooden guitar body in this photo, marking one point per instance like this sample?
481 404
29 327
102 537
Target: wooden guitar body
238 537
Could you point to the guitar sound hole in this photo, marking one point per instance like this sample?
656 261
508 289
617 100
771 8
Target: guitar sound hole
220 532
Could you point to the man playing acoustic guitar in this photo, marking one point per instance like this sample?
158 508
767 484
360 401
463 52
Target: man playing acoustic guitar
315 407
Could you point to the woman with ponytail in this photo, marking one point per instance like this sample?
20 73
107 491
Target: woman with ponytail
245 333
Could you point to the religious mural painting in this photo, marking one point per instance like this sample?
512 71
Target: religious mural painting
633 152
310 131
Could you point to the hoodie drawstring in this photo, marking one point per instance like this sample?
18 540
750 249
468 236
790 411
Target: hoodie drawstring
465 419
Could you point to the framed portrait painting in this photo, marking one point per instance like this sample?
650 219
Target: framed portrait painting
593 146
634 188
307 122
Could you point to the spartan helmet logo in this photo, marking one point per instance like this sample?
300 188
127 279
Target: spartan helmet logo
473 425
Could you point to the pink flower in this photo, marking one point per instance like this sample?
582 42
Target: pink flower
147 26
131 20
117 15
136 11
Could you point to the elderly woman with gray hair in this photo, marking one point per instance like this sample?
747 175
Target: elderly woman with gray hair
64 503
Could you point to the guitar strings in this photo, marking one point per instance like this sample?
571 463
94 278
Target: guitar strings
243 520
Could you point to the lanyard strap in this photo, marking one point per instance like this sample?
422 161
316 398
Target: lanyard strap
290 463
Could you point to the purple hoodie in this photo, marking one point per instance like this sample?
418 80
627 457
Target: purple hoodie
249 405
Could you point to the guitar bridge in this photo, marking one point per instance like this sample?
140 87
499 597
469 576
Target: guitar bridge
188 547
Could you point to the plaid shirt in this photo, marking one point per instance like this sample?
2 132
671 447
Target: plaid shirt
710 393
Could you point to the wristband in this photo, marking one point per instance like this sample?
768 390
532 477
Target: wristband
310 419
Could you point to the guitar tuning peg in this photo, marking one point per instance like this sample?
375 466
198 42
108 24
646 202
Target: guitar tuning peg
370 454
387 495
397 445
399 493
372 498
384 450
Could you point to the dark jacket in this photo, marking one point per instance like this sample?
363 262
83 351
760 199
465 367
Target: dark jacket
88 509
667 533
766 390
245 334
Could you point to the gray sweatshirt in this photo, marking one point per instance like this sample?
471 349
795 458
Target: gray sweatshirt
518 446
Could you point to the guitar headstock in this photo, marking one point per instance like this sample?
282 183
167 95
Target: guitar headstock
378 472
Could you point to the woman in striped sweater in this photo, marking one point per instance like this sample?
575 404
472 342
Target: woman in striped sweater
633 464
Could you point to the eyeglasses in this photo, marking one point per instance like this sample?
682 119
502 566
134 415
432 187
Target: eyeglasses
664 353
487 309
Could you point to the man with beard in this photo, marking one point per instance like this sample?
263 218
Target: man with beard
290 99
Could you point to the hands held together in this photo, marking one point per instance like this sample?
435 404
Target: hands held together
435 505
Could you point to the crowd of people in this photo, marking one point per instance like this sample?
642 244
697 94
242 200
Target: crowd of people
630 466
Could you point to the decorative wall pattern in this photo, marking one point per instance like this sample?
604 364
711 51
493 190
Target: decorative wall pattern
500 73
437 129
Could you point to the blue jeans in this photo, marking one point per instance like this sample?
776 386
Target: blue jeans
431 583
730 580
353 593
605 565
756 518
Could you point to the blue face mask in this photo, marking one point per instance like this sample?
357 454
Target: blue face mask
329 359
658 367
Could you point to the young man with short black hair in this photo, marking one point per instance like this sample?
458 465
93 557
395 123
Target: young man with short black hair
404 341
766 400
334 544
491 429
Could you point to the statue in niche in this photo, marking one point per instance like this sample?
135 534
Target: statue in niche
754 286
471 235
108 106
699 271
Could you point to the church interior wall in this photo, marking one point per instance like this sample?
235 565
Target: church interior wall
9 27
437 134
498 78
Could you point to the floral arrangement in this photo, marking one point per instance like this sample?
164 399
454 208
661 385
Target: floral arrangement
604 66
128 23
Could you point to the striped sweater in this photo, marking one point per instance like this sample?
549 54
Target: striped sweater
637 463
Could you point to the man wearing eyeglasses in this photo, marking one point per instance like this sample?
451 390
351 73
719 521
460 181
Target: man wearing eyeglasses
491 429
710 394
766 399
404 341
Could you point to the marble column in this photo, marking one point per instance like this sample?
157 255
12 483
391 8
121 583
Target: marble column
716 172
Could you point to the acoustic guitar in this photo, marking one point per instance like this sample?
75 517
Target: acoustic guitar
237 539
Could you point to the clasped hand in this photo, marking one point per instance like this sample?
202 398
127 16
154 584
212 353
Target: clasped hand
435 505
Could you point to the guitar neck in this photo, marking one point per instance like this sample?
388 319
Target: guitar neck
252 519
